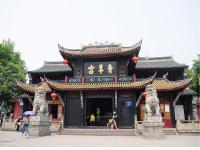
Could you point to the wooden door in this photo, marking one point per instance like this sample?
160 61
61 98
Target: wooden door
74 113
125 113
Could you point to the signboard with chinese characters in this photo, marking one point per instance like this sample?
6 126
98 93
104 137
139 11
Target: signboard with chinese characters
100 68
128 103
179 112
99 79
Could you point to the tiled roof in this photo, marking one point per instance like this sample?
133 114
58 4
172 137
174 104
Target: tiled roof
188 91
95 86
166 85
30 88
158 63
53 67
160 85
102 50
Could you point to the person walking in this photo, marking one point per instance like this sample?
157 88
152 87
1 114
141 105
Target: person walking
92 119
25 128
98 116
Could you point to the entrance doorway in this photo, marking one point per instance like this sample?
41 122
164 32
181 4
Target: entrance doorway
101 108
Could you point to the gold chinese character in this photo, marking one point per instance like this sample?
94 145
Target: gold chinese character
110 69
101 69
91 69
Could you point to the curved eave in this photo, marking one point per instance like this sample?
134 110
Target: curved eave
30 88
26 87
52 68
188 92
160 85
46 72
166 85
164 67
103 52
98 86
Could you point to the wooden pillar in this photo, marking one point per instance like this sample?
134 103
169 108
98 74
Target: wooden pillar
190 108
81 112
59 112
172 111
66 111
66 79
115 104
116 100
134 77
134 110
17 110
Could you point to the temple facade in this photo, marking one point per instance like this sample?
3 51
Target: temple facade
101 78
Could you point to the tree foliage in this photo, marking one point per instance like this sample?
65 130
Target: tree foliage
194 73
12 68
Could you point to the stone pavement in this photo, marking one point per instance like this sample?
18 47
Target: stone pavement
15 139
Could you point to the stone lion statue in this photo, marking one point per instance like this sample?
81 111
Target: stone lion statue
40 105
152 107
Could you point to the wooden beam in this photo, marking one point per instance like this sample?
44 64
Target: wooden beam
176 99
138 100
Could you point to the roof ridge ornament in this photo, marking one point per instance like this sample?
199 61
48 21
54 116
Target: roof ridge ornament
165 75
100 44
97 50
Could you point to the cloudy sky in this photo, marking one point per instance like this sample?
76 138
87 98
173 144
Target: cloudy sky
167 27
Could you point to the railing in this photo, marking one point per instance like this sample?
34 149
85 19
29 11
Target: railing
139 127
188 126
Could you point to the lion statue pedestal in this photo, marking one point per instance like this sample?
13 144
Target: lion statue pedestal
40 124
152 124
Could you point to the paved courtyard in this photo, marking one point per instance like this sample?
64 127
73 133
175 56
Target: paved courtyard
15 139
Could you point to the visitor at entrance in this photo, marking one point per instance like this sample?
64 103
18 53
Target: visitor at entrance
18 122
98 116
92 120
112 122
114 119
88 120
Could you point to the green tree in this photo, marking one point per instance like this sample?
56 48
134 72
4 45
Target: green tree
12 68
194 73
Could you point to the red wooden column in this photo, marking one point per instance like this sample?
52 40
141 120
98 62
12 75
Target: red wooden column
167 116
134 77
17 110
59 113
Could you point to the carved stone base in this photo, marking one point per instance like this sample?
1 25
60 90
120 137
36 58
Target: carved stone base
153 130
39 126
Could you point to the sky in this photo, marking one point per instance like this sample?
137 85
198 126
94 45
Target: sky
167 27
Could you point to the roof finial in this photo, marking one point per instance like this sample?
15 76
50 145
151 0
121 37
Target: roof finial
42 79
165 75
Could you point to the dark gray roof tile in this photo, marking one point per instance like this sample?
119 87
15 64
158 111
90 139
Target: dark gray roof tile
50 67
158 63
188 91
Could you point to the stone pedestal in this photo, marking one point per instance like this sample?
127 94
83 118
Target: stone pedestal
39 126
153 129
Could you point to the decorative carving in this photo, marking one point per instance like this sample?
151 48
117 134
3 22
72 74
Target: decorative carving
152 108
40 105
152 124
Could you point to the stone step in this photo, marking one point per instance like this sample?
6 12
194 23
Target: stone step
170 131
99 132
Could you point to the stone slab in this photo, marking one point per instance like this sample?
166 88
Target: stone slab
153 130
